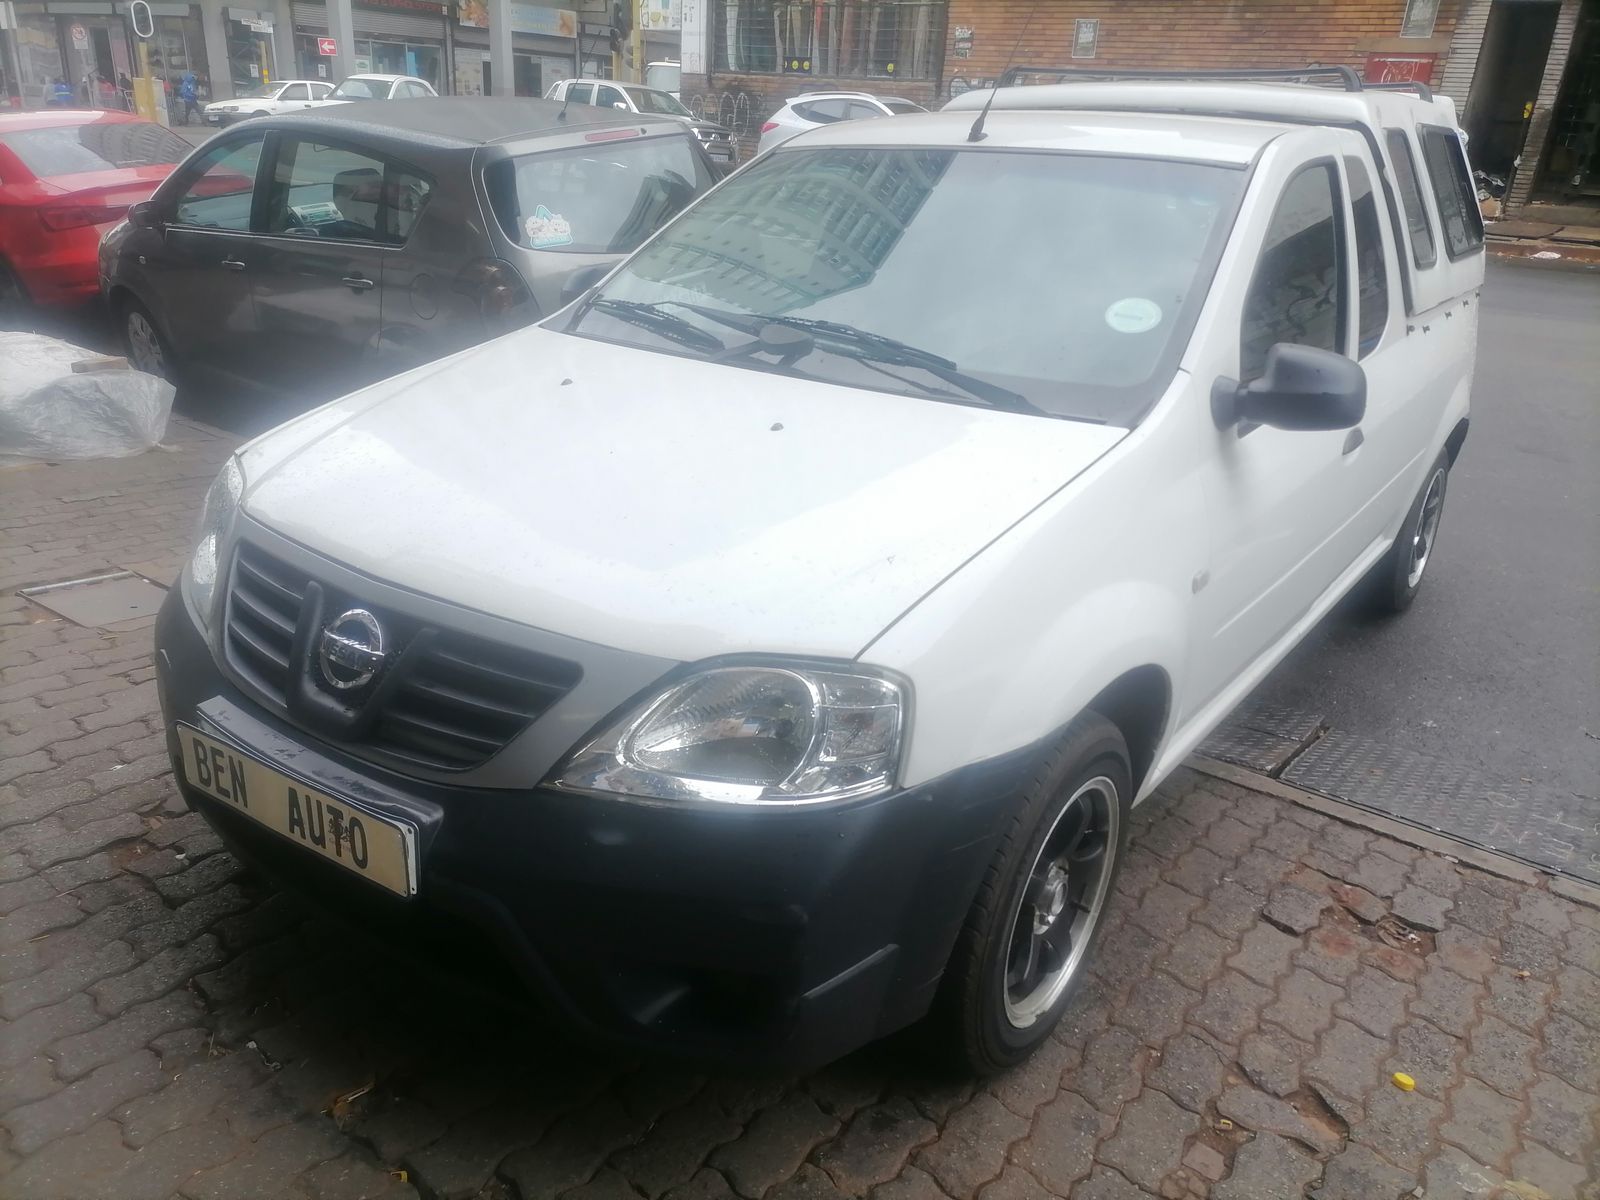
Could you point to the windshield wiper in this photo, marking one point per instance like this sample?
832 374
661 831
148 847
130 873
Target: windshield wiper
662 324
866 346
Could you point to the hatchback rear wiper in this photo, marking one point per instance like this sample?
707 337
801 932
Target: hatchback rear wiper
869 348
662 324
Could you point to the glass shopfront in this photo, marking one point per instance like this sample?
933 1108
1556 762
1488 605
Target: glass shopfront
251 62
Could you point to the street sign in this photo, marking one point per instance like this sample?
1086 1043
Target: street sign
144 24
79 36
327 47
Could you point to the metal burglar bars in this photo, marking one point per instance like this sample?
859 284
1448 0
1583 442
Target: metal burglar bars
885 39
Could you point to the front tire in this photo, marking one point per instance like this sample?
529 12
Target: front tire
1397 577
1041 907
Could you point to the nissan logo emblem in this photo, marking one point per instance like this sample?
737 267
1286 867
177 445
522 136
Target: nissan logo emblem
351 649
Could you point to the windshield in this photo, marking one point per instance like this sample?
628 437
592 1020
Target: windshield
663 75
97 146
1067 282
362 89
600 199
651 101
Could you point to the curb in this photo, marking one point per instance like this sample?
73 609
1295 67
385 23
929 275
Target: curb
1575 890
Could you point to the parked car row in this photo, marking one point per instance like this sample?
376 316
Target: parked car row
292 95
767 650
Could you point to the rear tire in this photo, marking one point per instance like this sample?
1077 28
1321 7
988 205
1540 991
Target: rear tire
147 349
1397 577
1040 909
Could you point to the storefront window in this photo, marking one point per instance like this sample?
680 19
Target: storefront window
250 59
178 48
39 61
898 39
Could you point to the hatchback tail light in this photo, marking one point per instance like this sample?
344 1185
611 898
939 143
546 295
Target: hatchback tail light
502 296
58 217
769 127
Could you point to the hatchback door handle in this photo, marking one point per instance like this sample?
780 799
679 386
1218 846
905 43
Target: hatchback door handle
357 283
233 264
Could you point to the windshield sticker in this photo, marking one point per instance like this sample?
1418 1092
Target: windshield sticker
547 229
1134 315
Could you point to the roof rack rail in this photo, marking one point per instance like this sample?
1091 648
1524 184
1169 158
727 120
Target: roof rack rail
1346 75
1406 85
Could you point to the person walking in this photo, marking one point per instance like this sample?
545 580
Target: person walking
189 96
60 94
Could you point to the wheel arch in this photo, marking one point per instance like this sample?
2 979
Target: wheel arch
1139 703
1457 439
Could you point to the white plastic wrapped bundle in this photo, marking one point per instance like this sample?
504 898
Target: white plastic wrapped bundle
50 412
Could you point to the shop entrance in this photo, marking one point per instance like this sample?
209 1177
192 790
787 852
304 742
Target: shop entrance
1516 44
97 59
1572 162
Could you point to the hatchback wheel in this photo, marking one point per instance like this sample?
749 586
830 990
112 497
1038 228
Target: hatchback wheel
147 349
1041 907
1398 575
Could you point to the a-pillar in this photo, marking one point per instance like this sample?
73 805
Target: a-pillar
342 29
503 78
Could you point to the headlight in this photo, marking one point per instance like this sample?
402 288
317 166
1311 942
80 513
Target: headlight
216 517
750 735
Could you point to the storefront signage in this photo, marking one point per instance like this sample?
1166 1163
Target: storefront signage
1399 68
525 18
1085 37
327 47
257 26
661 14
961 41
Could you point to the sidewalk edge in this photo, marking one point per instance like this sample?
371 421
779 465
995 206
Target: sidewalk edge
1423 839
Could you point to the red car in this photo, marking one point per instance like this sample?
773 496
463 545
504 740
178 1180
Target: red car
65 178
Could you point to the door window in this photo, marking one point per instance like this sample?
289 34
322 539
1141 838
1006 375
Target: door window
862 110
335 193
319 91
413 91
1372 270
296 91
581 93
824 112
219 197
1405 178
605 97
1298 292
1453 190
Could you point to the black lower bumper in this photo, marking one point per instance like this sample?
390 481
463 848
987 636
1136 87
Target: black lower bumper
773 938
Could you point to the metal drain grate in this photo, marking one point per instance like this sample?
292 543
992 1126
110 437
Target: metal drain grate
99 600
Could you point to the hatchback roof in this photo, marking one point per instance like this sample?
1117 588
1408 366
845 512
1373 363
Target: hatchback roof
462 120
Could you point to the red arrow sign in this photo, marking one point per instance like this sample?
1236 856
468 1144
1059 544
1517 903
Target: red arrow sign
327 47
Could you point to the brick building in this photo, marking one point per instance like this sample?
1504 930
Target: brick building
1524 72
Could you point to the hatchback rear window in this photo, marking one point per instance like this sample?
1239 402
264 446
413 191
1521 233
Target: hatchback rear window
604 198
76 149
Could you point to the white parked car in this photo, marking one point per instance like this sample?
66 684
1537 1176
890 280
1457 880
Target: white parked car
768 650
381 87
286 95
813 110
717 140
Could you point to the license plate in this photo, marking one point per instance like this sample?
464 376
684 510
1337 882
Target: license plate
361 842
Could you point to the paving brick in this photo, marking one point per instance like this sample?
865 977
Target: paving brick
81 1053
778 1140
876 1145
1106 1184
1379 874
1037 1080
1196 957
1332 953
1229 838
808 1183
57 1172
1571 1051
1135 956
1272 1059
972 1146
156 977
1453 1173
1479 910
1229 910
571 1152
1061 1149
1149 1139
57 983
1190 1072
1481 1121
1109 1073
1259 1112
1562 1118
351 1177
1359 1174
1164 911
710 1185
1543 912
1447 999
1197 871
1155 1009
1015 1184
79 1105
1500 1056
398 1130
1264 955
1522 947
177 926
205 876
1399 1126
165 1164
1428 1055
1268 1167
28 1082
1230 1007
673 1148
29 1035
1304 1005
1359 901
1375 1002
1578 995
1421 909
84 841
1347 1060
24 893
1294 909
279 1154
189 1098
1549 1172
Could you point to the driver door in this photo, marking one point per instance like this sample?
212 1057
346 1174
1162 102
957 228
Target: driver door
318 286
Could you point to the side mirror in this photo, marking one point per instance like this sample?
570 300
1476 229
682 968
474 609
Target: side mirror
581 280
618 104
1302 388
145 215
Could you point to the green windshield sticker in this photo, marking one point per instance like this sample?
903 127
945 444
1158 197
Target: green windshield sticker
547 229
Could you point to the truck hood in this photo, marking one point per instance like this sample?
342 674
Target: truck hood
657 504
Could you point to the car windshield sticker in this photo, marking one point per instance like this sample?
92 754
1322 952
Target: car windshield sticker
1134 315
317 213
547 229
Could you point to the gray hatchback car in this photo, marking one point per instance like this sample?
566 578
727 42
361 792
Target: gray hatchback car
312 253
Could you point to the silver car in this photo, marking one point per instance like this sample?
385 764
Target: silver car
811 109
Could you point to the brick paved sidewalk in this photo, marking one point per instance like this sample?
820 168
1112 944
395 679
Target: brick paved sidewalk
170 1027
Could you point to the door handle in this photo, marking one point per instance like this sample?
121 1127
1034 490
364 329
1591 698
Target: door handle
357 283
233 264
1353 439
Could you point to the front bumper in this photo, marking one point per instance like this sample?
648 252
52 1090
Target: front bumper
774 939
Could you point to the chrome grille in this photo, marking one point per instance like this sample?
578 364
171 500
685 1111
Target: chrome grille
452 703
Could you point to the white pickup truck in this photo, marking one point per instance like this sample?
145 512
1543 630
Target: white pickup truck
766 651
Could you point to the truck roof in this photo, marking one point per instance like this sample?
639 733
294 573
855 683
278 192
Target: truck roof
1139 135
1290 103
